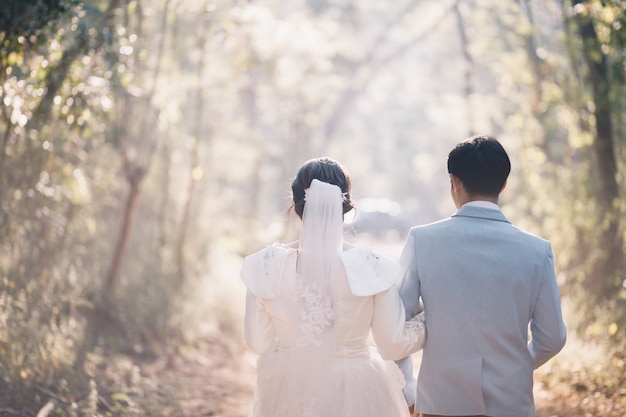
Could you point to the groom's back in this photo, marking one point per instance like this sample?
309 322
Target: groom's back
479 277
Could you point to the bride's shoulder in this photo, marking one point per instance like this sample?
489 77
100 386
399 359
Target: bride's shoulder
369 271
270 251
262 271
364 252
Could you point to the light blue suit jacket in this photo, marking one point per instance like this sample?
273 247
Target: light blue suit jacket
482 281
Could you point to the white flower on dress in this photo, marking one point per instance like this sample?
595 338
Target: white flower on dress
317 313
373 260
267 260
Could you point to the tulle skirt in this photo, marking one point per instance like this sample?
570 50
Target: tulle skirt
362 385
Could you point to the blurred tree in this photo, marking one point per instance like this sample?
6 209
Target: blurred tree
135 125
198 132
468 67
604 58
44 190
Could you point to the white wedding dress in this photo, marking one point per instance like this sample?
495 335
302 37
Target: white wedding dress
306 370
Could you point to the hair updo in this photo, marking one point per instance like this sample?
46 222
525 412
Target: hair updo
325 170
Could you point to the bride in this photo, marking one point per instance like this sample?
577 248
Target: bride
310 309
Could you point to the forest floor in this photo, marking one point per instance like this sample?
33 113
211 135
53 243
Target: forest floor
215 377
219 380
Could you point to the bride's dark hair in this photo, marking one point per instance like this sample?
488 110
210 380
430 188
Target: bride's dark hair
323 169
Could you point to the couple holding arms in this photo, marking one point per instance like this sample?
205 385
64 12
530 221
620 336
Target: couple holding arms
481 282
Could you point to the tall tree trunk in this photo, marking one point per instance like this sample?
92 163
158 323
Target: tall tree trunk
165 198
5 141
191 185
195 171
538 70
467 72
137 124
134 175
166 157
605 280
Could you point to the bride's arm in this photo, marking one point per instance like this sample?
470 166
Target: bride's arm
257 327
395 338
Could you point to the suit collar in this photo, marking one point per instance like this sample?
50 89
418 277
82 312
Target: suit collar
481 212
483 204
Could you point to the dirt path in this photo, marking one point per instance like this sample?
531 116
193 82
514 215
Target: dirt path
567 402
217 380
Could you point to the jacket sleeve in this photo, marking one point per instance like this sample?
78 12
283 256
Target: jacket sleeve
409 279
410 295
548 333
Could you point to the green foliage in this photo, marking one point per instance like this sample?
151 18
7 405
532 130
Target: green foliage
26 24
26 18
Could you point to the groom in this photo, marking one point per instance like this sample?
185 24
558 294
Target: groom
482 281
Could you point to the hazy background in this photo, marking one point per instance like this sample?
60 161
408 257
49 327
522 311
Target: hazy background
146 146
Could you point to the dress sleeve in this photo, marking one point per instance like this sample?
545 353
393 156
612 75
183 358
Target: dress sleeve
395 338
262 274
546 325
257 327
368 271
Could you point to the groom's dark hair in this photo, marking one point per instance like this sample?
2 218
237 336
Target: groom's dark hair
482 165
